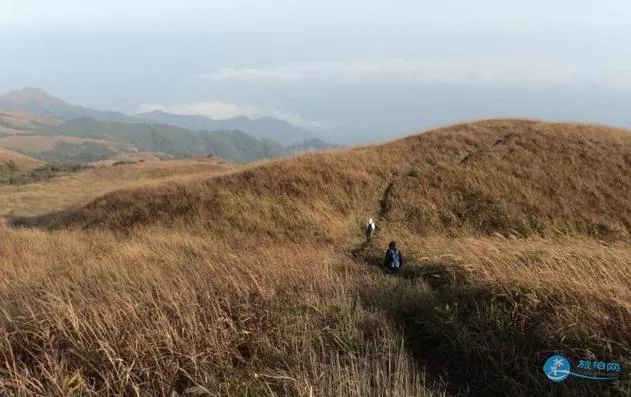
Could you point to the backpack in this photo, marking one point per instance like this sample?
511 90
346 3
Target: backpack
393 258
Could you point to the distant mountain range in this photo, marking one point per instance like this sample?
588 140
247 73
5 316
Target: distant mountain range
262 128
176 142
86 140
45 128
37 101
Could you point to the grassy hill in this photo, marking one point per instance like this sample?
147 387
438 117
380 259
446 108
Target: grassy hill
255 280
232 145
44 144
18 169
80 188
29 135
510 177
21 161
88 140
38 101
17 123
129 158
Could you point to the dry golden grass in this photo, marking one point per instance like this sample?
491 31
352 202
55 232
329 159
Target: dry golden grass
81 187
132 157
17 123
90 313
187 312
512 177
499 307
255 281
21 161
40 143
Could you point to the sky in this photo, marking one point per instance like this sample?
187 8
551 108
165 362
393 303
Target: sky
351 71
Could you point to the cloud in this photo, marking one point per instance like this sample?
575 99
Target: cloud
499 70
214 110
313 71
222 110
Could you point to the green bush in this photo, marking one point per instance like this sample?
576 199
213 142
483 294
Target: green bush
10 174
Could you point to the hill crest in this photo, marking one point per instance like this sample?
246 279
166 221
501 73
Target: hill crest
31 95
499 176
19 123
21 161
21 131
38 101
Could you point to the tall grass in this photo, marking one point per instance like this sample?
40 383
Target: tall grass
171 311
256 282
519 178
82 187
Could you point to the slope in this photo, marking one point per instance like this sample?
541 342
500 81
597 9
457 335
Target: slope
38 101
18 123
256 282
81 187
21 161
128 158
504 176
234 146
86 140
37 143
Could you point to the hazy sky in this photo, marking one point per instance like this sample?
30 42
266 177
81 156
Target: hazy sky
350 70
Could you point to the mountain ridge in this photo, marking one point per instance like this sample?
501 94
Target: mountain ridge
264 127
495 176
38 101
84 139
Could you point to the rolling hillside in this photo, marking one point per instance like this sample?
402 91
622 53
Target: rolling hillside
38 143
17 123
88 140
38 101
81 187
255 280
124 158
234 146
21 161
510 177
29 134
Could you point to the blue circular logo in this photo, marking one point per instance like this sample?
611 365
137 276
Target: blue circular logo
557 368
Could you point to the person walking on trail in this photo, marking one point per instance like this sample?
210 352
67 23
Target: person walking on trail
370 229
394 260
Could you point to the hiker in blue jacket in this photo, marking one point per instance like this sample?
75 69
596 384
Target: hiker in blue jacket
394 260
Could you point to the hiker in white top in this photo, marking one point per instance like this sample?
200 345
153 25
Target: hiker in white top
370 229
